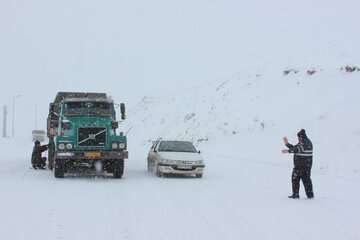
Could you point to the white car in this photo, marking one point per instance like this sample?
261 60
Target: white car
175 157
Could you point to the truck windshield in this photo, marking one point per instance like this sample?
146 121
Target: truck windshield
176 146
87 108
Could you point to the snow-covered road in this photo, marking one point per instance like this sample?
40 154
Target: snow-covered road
239 197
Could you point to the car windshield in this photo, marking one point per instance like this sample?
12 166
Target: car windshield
87 108
176 146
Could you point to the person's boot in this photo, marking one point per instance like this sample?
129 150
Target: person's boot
310 195
294 196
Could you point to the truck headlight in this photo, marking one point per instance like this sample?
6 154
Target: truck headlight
114 145
69 146
122 145
61 146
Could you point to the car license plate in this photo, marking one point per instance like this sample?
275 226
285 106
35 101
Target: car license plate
93 154
184 167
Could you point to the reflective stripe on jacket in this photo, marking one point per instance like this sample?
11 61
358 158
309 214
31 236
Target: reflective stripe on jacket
303 153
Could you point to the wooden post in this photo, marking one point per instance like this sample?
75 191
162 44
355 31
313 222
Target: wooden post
5 112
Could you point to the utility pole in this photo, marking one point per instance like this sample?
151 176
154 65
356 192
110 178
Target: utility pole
13 115
5 112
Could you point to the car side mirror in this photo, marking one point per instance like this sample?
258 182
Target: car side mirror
199 152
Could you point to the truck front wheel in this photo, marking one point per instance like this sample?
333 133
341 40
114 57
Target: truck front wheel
118 169
59 170
51 155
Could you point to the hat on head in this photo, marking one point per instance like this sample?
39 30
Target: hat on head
302 133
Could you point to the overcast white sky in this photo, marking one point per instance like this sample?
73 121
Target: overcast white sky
133 48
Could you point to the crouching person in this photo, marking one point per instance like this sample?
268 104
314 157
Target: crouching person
36 160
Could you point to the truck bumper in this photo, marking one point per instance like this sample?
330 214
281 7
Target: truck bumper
100 156
175 169
80 160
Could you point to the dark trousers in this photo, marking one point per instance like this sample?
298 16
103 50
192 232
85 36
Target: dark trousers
303 174
38 162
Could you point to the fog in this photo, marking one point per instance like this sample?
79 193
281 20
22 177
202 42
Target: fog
136 48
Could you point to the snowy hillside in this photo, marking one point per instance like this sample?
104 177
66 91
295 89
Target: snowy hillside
256 109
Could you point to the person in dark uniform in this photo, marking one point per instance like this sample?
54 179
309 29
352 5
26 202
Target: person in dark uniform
303 158
36 160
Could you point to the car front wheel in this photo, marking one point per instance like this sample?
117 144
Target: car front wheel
158 172
149 166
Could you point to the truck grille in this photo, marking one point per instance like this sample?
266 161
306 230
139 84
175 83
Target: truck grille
92 137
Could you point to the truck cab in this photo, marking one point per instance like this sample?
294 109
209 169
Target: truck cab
86 136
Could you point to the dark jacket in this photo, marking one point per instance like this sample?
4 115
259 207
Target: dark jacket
36 154
303 153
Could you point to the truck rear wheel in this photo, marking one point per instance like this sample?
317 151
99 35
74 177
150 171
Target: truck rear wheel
50 161
51 155
59 170
118 169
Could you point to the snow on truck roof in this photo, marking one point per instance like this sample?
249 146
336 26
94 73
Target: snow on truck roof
61 96
107 100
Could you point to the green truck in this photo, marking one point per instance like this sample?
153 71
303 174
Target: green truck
82 131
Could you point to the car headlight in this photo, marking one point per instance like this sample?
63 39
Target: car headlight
199 162
69 146
114 145
61 146
122 145
168 161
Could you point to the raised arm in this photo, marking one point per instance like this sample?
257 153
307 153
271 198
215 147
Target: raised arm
292 148
44 148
